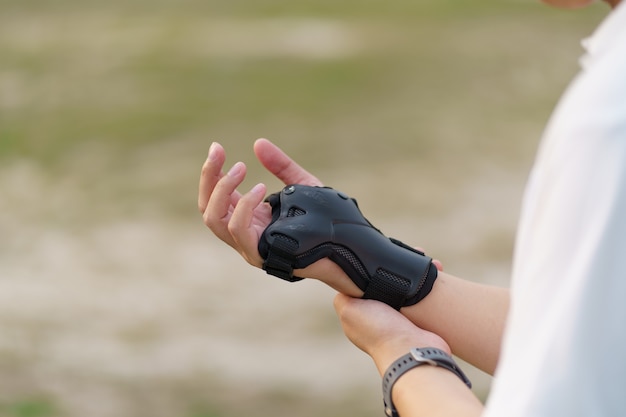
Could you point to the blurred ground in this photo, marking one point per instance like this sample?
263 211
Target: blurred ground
116 301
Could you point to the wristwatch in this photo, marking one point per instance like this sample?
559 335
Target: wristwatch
416 357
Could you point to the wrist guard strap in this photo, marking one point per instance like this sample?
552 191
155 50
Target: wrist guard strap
312 223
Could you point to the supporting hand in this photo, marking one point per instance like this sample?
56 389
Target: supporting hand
382 332
386 335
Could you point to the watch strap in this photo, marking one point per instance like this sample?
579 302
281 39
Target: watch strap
416 357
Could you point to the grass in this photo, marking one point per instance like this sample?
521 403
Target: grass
128 79
107 110
28 408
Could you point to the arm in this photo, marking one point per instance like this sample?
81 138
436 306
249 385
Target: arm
386 335
468 315
456 309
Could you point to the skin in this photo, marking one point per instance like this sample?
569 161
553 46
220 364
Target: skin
455 309
387 335
412 394
458 316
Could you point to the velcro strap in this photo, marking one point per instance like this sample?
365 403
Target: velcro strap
388 288
405 246
281 257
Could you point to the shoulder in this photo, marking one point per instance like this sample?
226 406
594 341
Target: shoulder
592 112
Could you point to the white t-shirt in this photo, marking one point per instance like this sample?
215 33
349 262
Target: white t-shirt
564 352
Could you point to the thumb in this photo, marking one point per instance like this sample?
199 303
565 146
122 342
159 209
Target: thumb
281 165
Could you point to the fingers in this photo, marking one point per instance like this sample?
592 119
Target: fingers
359 315
347 309
435 262
240 220
281 165
240 227
367 323
340 302
350 309
210 175
381 331
438 264
222 201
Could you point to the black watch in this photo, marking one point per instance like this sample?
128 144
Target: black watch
416 357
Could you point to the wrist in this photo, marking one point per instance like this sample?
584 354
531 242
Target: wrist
436 367
434 391
387 352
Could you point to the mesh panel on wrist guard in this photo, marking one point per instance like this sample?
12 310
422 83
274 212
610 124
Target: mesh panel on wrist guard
312 223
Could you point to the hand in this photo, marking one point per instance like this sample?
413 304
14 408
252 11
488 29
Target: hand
239 220
382 332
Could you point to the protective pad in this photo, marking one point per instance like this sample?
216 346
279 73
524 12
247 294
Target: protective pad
311 223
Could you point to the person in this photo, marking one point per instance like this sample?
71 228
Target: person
555 341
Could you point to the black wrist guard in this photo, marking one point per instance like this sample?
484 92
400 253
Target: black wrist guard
311 223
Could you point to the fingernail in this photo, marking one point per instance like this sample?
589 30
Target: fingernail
257 189
235 170
212 152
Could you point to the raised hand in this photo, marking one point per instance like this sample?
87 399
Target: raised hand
239 219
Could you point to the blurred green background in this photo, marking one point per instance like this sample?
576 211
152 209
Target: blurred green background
116 301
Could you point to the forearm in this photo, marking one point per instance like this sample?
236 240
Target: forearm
427 390
468 315
434 392
456 309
